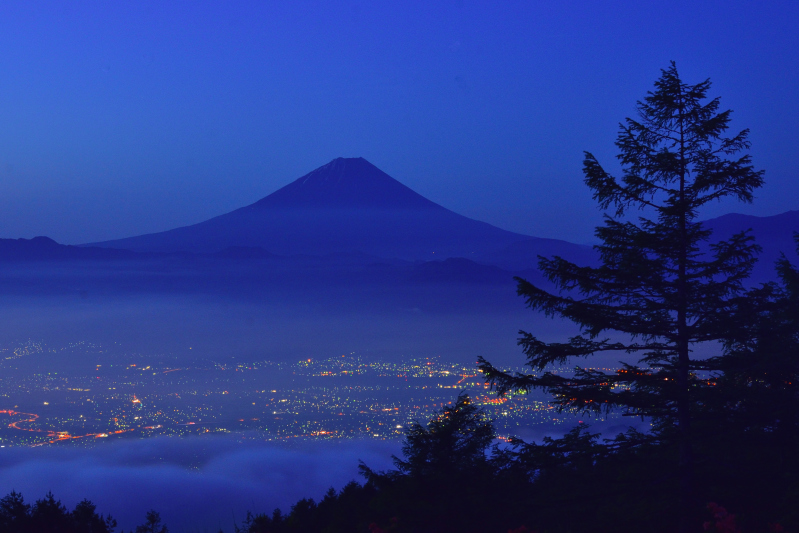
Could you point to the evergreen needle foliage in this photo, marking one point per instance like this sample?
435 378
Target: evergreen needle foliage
663 284
664 287
49 515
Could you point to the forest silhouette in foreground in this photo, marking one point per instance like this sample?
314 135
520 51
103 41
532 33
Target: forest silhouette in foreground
722 452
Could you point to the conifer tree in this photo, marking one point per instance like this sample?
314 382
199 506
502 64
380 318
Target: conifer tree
662 286
757 379
455 439
152 523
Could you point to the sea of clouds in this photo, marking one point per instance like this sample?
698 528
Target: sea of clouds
198 484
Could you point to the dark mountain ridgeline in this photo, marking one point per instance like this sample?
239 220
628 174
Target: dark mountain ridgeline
775 234
350 214
46 249
348 205
523 254
459 270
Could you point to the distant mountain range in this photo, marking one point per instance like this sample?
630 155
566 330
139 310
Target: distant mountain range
775 234
46 249
349 211
347 205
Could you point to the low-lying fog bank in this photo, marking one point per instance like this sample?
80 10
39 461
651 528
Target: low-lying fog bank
197 484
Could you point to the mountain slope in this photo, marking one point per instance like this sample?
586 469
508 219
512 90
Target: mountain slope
348 205
775 234
46 249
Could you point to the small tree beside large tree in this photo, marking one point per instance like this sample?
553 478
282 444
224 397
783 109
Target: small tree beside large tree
662 283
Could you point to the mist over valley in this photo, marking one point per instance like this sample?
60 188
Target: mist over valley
314 324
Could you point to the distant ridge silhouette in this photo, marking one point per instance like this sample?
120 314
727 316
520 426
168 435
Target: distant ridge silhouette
351 206
347 205
775 234
350 209
46 249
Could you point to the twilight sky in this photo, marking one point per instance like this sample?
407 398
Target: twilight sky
121 118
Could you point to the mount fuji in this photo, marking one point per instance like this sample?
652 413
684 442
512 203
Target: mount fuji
345 206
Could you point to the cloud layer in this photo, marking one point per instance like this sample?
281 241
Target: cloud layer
197 484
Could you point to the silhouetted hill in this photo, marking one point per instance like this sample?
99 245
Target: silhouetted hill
459 270
348 205
523 255
773 233
46 249
349 212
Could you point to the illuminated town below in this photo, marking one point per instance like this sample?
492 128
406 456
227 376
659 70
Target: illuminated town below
136 396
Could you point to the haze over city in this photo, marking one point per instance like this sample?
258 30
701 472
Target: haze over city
243 247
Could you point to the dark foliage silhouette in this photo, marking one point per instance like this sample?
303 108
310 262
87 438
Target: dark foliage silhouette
444 482
152 523
48 515
725 427
722 452
658 284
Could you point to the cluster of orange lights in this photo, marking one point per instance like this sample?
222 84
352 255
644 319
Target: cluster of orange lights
490 400
55 436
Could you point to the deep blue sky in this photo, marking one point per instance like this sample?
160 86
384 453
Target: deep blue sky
119 118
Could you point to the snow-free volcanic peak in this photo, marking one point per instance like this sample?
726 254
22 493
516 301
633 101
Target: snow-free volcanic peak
347 205
346 183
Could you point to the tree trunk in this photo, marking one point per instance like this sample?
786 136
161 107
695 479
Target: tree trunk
684 358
